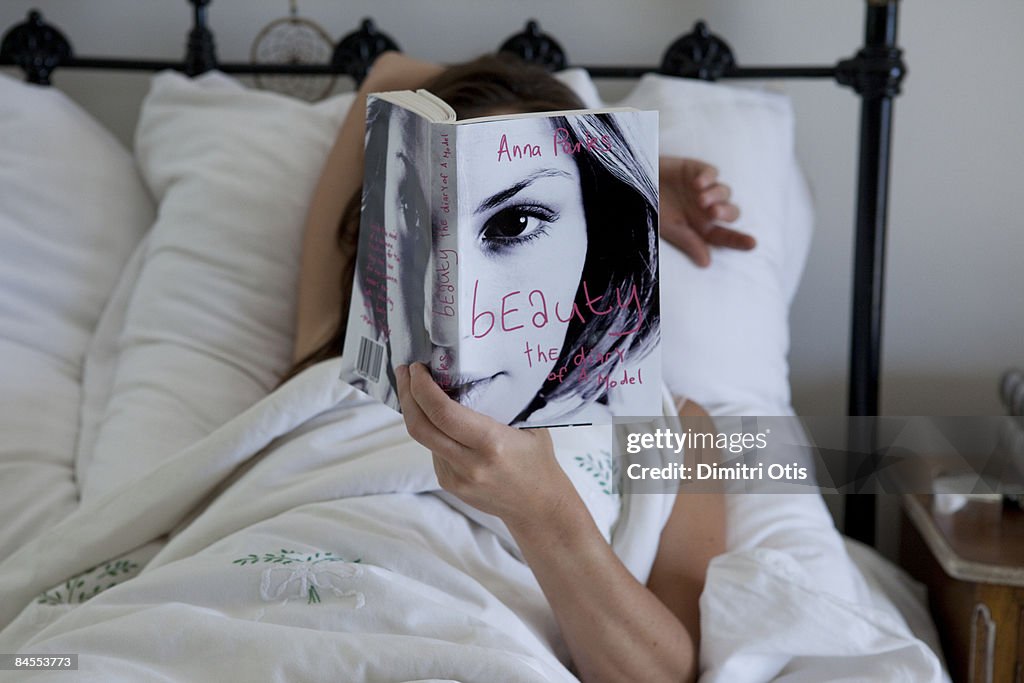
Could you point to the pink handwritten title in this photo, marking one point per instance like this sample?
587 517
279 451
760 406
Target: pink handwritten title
508 317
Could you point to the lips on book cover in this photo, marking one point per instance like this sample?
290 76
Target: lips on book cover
516 256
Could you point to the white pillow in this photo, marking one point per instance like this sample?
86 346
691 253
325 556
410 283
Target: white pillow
72 207
209 328
730 321
101 357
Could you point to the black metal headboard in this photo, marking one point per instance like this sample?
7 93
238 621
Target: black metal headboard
874 73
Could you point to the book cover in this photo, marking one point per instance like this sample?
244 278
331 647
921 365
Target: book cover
517 256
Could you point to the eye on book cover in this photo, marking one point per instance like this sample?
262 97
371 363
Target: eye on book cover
517 257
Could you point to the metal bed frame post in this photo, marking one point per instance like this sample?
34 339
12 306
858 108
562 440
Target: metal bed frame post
201 51
875 74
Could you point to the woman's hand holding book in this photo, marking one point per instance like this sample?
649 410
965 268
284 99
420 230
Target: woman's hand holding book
503 471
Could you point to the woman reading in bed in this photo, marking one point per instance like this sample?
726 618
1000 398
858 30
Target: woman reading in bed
615 627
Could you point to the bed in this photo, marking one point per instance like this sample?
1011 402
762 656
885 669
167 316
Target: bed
165 506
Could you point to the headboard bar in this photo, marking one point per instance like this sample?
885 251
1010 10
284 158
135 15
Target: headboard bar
38 48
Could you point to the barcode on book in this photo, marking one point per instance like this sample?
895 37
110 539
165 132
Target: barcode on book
368 362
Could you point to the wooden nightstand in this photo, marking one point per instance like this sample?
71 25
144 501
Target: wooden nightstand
972 562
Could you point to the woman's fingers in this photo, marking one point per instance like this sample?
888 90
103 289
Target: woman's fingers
716 202
715 194
420 427
689 242
695 205
721 236
706 176
727 213
464 425
451 458
497 469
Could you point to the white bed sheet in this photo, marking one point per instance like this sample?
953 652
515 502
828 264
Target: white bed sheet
319 554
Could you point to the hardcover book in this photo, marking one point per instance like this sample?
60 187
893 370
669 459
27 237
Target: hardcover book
516 256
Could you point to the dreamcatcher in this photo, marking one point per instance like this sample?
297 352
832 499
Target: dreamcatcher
294 40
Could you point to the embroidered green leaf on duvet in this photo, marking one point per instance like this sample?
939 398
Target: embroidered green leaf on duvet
289 557
90 583
602 467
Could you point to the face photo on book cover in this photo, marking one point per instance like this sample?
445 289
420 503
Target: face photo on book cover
558 268
558 315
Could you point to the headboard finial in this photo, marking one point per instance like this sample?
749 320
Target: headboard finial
699 53
37 47
536 47
355 52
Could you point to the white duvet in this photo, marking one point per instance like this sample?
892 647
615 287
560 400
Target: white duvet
306 540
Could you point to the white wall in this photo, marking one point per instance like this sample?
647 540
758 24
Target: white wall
954 310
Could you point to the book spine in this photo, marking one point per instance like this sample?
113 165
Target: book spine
444 304
365 358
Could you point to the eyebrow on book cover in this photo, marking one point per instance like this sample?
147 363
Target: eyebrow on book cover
506 194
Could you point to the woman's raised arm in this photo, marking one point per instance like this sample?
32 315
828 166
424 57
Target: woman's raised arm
319 299
616 628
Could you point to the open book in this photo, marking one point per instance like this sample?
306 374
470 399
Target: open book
516 255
